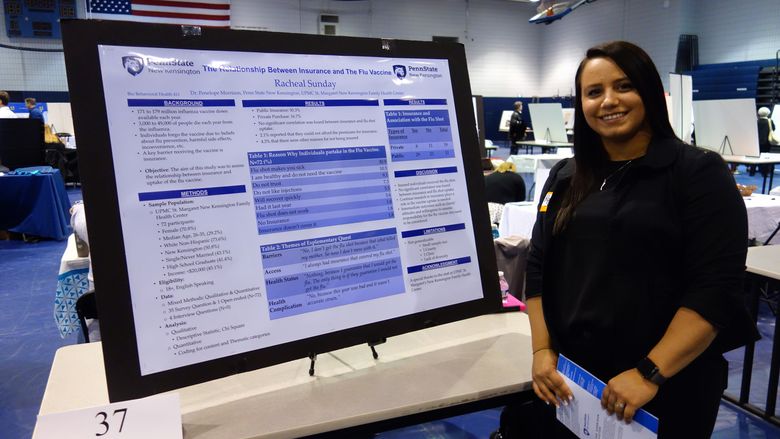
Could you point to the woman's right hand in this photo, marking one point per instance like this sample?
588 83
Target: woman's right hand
548 384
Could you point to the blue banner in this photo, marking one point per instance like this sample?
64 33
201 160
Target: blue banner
183 103
191 193
424 172
437 265
411 101
255 103
432 230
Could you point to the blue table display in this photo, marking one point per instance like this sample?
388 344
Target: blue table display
33 201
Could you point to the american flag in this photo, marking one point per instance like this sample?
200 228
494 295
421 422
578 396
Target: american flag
201 13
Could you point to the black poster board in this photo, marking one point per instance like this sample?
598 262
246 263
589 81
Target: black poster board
159 177
21 143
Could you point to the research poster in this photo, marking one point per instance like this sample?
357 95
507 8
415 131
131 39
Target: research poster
267 198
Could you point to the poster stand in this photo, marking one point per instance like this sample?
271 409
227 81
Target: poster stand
547 118
371 344
680 105
727 125
547 135
723 144
259 108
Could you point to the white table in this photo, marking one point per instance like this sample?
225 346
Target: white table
763 213
518 219
764 261
532 162
763 216
763 268
545 145
766 158
458 363
539 165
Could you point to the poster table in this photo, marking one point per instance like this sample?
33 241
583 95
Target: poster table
762 266
770 159
518 219
465 365
763 217
546 146
764 261
763 213
35 204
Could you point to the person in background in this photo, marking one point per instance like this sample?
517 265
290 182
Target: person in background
5 112
766 130
78 221
516 128
637 257
35 112
504 185
50 138
59 157
766 137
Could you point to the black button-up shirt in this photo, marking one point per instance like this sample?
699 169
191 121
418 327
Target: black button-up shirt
671 232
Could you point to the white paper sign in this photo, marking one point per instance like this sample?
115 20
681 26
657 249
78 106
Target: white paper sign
157 416
584 415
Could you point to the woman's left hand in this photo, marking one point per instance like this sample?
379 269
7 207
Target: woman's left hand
626 393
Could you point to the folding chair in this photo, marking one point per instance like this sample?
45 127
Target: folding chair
86 308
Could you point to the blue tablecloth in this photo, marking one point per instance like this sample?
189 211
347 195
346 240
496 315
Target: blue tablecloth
35 205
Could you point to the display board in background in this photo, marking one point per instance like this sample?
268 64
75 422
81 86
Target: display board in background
547 122
60 117
506 119
568 118
727 126
259 197
479 117
21 143
680 105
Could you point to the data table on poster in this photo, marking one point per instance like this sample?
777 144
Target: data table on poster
312 274
419 134
307 189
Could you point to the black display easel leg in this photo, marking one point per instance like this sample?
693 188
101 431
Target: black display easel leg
725 142
372 344
777 229
313 358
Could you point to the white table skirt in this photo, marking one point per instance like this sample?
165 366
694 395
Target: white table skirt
517 219
763 217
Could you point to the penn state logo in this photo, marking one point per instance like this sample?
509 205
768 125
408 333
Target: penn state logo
133 64
400 71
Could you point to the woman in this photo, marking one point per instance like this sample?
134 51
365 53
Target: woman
516 128
505 185
638 252
59 157
766 128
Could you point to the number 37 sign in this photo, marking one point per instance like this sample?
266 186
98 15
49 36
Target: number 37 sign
155 416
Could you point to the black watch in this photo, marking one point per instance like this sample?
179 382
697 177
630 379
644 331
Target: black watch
650 371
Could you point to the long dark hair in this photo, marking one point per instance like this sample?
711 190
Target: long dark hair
589 152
